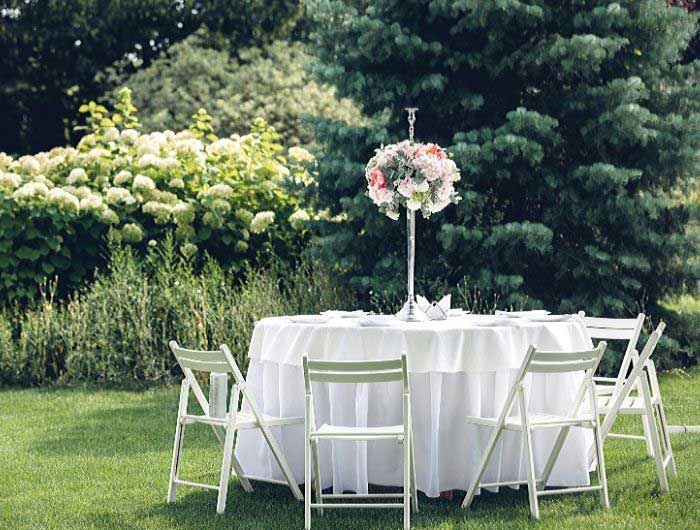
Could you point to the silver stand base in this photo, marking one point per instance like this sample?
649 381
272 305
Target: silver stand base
410 312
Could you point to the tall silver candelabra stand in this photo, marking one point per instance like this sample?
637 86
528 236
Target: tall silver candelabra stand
410 312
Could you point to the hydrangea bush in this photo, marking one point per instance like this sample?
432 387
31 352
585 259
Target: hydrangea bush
231 197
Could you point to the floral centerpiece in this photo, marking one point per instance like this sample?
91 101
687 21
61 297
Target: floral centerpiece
417 176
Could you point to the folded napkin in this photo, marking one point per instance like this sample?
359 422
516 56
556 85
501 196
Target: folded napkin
435 310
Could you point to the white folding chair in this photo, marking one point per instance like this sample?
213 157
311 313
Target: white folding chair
221 361
550 363
358 372
624 329
646 403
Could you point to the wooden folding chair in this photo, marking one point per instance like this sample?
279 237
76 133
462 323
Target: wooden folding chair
646 403
624 329
358 372
221 361
546 362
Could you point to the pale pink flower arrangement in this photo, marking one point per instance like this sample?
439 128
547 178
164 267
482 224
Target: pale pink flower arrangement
417 176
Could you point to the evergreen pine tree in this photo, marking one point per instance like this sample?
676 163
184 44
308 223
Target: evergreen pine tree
576 126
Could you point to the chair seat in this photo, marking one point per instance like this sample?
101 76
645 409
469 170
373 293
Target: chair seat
537 419
630 405
358 433
244 420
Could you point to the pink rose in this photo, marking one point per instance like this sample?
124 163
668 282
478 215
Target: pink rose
376 178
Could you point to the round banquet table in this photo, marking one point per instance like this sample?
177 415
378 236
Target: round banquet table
458 367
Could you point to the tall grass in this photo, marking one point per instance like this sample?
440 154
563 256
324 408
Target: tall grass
118 327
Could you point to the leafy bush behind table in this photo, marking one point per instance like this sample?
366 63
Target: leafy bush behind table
117 328
231 197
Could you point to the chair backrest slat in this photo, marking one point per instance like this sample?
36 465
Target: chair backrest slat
385 376
549 356
614 328
560 366
201 360
204 366
380 371
355 366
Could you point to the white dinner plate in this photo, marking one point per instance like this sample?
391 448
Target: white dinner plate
457 312
344 314
549 318
523 314
310 319
377 321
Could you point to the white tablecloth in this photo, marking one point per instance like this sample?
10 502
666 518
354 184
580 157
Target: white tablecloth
457 368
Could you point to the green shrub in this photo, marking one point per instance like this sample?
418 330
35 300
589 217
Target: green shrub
117 328
269 81
233 197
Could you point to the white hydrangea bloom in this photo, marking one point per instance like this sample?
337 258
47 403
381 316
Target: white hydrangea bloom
96 153
122 177
111 134
143 183
149 159
223 147
299 154
183 213
298 219
159 211
117 195
5 160
219 191
184 135
63 199
261 221
10 180
30 164
31 189
91 202
76 175
129 135
177 183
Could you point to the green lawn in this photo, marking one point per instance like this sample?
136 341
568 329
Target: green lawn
88 458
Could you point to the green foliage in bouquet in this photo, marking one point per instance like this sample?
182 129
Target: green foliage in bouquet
269 81
575 126
231 197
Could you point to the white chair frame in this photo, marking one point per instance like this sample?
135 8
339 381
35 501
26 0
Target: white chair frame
628 329
647 404
221 361
546 362
358 372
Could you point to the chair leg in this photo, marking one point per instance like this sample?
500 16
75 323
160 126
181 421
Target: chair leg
600 454
317 474
175 465
529 458
307 465
407 482
667 439
647 437
414 483
656 444
179 436
225 470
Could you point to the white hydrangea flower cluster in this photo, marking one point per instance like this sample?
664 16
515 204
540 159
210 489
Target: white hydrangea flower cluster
139 185
261 221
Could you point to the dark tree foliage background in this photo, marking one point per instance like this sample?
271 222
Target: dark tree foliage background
576 125
51 51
